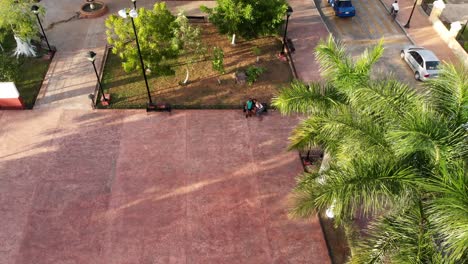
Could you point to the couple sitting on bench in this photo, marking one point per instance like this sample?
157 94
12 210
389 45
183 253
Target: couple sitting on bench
253 106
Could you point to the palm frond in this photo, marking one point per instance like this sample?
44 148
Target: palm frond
352 132
364 187
449 93
309 99
401 238
368 58
339 68
447 210
386 99
425 133
331 55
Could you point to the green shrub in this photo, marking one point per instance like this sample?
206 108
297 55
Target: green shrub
253 72
8 68
218 60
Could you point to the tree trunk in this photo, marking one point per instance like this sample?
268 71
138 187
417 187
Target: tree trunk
186 76
233 42
24 48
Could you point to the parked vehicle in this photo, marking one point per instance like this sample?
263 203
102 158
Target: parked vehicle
423 62
343 8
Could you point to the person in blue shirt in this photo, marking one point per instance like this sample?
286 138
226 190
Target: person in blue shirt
249 107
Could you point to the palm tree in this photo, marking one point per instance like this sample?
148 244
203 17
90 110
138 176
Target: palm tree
387 148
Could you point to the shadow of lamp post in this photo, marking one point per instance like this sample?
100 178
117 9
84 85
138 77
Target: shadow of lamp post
133 14
289 11
92 57
35 10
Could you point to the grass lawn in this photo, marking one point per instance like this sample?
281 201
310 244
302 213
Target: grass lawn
203 91
31 73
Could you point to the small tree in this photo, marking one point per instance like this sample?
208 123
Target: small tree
16 17
155 29
189 40
247 18
218 61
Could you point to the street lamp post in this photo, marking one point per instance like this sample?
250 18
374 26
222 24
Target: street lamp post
407 25
289 11
132 14
92 57
35 10
134 4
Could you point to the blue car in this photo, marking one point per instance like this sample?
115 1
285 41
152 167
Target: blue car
343 8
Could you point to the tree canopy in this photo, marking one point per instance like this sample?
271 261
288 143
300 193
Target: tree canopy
16 17
393 155
156 35
248 19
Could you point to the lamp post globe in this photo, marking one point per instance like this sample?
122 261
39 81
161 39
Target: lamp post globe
91 56
35 9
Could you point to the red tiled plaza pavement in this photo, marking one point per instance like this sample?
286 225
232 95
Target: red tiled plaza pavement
128 187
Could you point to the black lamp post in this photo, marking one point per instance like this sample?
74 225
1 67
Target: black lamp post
132 14
134 4
35 10
289 11
407 25
92 57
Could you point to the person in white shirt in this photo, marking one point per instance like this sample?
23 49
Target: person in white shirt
259 108
395 7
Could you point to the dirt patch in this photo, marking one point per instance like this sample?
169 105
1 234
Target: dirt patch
203 90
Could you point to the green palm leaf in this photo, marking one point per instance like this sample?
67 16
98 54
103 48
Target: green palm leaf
449 93
400 238
309 99
448 210
364 187
387 99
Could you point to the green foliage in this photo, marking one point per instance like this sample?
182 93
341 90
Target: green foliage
189 41
156 35
16 16
248 19
256 51
8 68
394 156
218 60
188 38
253 72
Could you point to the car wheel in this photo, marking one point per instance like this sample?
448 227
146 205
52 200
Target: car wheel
417 76
402 54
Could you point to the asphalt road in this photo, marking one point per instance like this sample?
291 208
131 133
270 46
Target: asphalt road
371 24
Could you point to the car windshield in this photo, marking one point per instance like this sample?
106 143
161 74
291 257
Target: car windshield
432 65
344 4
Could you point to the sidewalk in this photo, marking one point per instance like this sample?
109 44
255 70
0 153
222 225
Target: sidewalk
306 28
421 32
